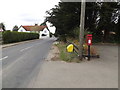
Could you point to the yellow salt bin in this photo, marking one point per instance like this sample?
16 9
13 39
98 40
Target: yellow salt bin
70 48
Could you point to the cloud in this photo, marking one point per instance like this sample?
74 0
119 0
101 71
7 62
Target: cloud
31 20
20 12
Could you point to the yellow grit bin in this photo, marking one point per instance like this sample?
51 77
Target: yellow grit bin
70 48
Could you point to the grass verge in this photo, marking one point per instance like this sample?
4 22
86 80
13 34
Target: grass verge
65 56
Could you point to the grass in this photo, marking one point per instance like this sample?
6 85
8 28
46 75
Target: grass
65 56
73 57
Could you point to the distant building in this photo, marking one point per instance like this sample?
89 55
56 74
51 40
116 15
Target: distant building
44 34
1 30
42 30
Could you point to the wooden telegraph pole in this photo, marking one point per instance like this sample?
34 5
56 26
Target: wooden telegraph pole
81 34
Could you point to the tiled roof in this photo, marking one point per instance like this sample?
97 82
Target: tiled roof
34 28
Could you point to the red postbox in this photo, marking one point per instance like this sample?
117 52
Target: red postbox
89 39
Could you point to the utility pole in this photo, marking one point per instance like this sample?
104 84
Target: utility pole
81 34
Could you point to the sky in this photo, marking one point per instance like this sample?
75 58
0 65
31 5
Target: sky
25 12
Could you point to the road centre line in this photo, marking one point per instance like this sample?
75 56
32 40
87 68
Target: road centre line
25 49
29 47
3 58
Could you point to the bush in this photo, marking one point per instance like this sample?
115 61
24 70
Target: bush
96 38
13 36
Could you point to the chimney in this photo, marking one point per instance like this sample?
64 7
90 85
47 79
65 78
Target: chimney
36 24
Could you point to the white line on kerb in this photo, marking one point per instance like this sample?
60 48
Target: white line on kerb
3 58
25 49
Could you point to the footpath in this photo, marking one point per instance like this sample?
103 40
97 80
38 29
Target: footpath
98 73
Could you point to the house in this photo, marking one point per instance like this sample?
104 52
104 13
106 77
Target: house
1 30
45 33
42 30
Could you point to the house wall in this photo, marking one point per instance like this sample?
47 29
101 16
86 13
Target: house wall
46 32
1 29
34 31
21 29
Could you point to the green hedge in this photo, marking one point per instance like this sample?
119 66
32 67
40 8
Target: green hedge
13 36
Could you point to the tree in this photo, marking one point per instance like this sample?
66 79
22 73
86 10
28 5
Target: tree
107 19
99 16
65 17
117 30
91 16
15 28
2 25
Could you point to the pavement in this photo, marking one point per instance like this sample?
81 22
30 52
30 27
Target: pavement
98 73
22 62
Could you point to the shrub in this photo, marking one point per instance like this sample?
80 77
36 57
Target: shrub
13 36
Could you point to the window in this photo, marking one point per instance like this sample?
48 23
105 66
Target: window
45 31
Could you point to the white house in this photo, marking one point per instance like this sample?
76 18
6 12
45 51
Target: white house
42 30
1 29
44 34
23 29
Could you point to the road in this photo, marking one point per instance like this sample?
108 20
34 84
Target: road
22 62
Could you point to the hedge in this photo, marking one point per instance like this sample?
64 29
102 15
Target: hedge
14 36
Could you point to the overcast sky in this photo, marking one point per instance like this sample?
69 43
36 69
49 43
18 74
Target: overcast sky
24 12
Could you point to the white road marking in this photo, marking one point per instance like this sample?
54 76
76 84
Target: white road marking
3 58
29 47
25 49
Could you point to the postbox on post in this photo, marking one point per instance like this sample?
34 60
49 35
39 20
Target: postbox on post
89 39
89 42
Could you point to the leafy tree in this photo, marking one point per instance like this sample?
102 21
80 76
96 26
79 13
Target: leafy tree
107 18
15 28
118 31
65 17
91 16
98 16
2 25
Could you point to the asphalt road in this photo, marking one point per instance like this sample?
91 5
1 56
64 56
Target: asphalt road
22 62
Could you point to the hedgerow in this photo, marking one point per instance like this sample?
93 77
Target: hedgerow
14 36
